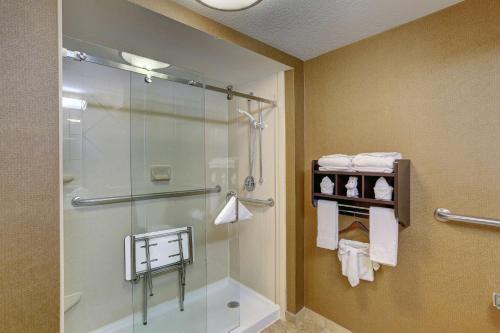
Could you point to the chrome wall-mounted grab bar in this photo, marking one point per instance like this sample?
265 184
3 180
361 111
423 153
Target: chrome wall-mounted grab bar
268 202
82 202
444 215
259 202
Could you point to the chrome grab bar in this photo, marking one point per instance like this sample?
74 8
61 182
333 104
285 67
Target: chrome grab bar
82 202
444 215
259 202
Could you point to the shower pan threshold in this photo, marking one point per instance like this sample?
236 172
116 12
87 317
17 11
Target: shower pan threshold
255 312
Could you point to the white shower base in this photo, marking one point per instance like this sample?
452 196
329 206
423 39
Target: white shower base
255 313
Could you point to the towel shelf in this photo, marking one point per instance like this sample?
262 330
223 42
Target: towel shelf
444 215
399 179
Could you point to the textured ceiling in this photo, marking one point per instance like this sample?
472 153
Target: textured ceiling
309 28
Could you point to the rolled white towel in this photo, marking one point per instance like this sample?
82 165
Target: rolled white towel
336 162
327 185
382 189
375 162
352 187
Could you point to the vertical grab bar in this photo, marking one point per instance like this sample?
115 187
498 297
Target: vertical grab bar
261 128
182 273
148 284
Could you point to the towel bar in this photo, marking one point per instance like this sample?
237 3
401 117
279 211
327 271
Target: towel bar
444 215
259 202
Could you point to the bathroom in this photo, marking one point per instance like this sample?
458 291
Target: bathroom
232 135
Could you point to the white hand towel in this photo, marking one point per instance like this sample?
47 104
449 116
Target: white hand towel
228 213
335 162
328 224
375 162
326 185
384 233
356 263
382 189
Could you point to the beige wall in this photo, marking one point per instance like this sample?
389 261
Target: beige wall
294 105
29 164
429 89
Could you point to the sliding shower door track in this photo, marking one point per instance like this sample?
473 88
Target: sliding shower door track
81 56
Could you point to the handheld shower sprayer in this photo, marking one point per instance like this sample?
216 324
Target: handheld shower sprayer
249 116
258 125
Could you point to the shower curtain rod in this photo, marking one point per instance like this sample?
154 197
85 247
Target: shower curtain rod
81 56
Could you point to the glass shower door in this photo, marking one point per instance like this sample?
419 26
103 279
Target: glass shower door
168 156
96 155
145 142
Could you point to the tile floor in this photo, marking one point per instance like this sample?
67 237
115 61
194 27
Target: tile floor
306 321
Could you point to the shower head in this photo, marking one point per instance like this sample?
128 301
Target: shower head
252 119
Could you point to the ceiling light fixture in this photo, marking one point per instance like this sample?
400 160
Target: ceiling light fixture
143 62
229 5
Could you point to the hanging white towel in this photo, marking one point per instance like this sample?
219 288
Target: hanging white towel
335 162
228 213
328 224
356 263
375 162
384 233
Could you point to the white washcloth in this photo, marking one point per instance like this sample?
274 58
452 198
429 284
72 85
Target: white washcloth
335 162
228 213
328 224
352 187
356 263
375 162
326 185
382 189
384 233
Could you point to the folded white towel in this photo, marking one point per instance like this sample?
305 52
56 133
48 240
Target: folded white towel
326 185
375 162
328 224
384 233
356 263
337 161
327 168
382 189
228 212
372 169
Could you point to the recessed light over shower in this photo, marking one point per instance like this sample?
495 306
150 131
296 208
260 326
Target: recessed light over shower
143 62
229 5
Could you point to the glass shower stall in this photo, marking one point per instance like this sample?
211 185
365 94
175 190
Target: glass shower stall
149 157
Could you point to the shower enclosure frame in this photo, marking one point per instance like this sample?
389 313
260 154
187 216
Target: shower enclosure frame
280 144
